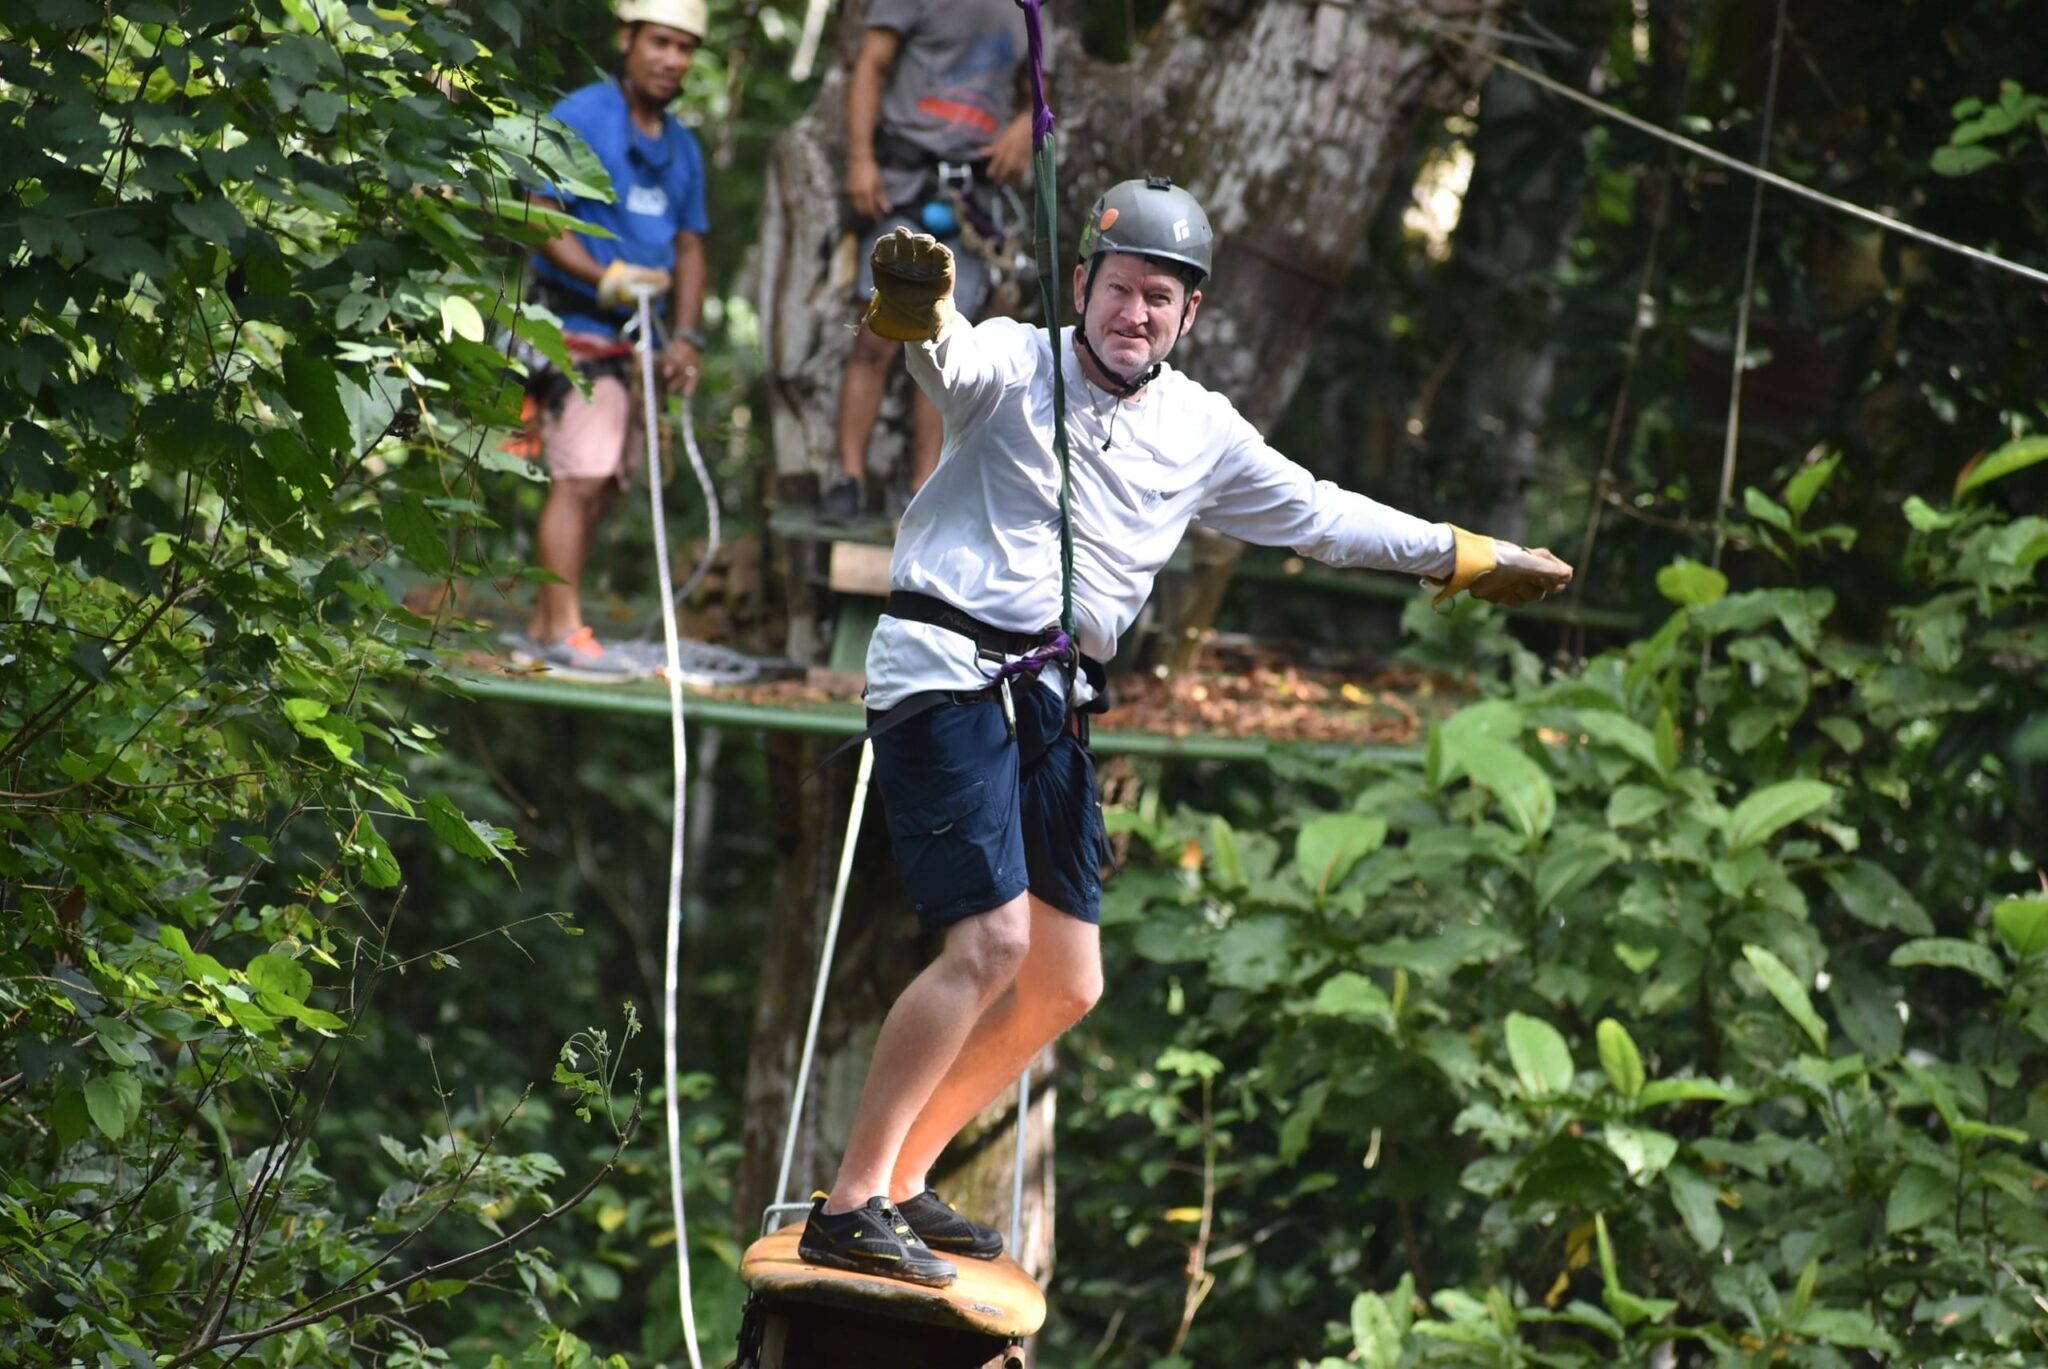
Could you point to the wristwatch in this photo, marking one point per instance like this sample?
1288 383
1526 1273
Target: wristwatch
693 336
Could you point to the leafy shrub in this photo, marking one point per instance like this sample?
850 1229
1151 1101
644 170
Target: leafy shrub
1691 1010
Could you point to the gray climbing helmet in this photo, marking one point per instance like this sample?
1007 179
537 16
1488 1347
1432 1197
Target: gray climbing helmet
1152 217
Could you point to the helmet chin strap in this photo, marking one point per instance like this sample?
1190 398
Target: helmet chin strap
1125 386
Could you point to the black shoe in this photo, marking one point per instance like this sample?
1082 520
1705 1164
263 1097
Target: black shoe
946 1231
872 1240
844 501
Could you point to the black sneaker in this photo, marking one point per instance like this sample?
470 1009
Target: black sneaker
872 1240
843 502
946 1231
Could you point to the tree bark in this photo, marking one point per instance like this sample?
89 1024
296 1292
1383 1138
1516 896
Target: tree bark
1520 211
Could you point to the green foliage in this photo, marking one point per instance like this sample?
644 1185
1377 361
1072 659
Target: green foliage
1697 1004
254 260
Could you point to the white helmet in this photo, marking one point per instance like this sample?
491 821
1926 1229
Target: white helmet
690 16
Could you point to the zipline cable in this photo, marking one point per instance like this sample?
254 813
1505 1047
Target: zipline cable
1736 367
1736 164
680 758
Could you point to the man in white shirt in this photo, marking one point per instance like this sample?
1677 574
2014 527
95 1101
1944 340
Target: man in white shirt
979 748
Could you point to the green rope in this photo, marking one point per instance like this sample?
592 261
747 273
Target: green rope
1045 223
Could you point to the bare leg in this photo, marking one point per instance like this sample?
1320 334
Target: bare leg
920 1038
568 526
928 437
860 398
1060 980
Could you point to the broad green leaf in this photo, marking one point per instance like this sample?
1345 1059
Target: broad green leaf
312 387
1620 1058
418 534
459 318
1961 161
1456 946
1924 517
1226 863
114 1101
1350 994
1949 953
1987 1131
198 965
1189 1064
1699 1205
2013 456
1776 806
1331 844
279 975
1919 1195
1765 509
1873 896
1667 740
1632 805
1802 488
1568 868
1379 1326
1524 791
1637 958
1542 1060
1850 1327
1624 733
2022 924
1643 1151
459 832
1790 993
1688 583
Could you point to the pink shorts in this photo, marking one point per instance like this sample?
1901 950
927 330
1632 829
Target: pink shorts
596 438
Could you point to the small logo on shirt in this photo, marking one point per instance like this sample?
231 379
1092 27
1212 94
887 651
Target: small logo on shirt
647 199
1161 496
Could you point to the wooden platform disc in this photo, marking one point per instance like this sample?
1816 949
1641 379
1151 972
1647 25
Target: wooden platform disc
994 1297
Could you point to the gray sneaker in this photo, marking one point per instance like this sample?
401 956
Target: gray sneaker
580 656
844 501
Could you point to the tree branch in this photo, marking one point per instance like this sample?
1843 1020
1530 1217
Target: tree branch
293 1323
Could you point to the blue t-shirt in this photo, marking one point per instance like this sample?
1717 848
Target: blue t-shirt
660 187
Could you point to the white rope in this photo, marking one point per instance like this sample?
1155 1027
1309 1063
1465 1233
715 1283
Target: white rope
680 764
1017 1177
1698 149
807 43
1735 370
803 1068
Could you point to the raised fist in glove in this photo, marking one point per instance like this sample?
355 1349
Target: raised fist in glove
622 284
913 287
1501 572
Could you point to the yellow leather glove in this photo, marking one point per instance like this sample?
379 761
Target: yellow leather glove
622 284
1501 572
913 287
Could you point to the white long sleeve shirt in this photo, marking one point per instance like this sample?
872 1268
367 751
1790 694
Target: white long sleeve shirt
984 532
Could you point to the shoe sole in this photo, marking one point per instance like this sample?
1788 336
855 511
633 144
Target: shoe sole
995 1254
831 1260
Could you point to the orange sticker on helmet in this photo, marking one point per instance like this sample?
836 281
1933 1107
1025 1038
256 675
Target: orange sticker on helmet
1108 220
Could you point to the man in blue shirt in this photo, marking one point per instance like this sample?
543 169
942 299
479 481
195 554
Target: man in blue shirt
657 222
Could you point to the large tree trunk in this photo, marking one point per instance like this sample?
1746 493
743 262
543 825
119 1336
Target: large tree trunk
1518 217
1288 120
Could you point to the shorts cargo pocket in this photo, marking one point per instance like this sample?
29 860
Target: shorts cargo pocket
949 847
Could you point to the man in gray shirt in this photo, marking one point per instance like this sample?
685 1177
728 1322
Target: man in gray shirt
934 123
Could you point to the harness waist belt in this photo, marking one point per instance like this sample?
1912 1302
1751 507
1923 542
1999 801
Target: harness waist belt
923 608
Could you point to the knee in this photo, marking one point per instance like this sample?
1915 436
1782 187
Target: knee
1070 999
989 949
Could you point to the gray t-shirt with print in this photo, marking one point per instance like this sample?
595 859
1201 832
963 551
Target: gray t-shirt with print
953 87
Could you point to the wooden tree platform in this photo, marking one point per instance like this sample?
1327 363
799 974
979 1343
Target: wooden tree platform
816 1318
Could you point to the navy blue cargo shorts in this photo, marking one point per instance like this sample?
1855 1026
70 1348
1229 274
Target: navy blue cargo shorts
977 817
